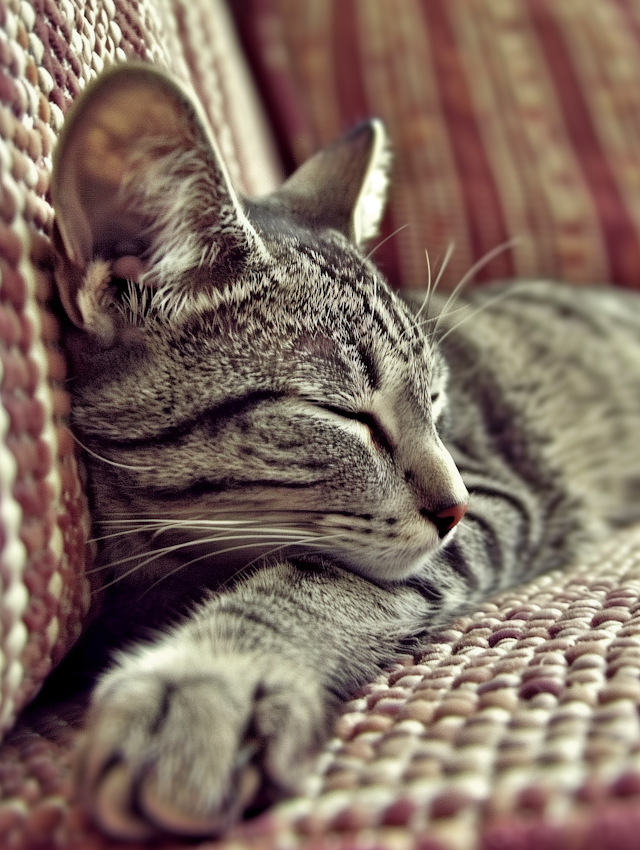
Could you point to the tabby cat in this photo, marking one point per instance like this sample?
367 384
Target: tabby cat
280 452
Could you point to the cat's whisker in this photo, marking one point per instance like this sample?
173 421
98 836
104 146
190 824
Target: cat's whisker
262 513
135 530
244 567
110 462
467 527
154 556
223 525
451 247
473 271
257 531
427 298
449 314
316 543
162 527
212 554
501 296
166 550
211 511
431 290
127 516
124 575
385 240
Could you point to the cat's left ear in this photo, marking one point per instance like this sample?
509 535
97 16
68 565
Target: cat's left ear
345 185
140 192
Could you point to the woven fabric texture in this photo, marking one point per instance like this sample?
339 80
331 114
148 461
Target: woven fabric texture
510 119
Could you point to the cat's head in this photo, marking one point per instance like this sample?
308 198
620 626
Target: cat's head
243 370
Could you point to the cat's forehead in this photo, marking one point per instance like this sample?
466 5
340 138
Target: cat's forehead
324 299
316 317
324 286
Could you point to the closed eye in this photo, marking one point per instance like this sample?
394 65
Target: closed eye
378 434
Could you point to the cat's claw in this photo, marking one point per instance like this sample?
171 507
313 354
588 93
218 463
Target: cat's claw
171 818
112 807
137 811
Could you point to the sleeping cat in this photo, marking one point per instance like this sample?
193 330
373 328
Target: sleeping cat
293 475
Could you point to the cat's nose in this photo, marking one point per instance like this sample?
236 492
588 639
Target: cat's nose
444 520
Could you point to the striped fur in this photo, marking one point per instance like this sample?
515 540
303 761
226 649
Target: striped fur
272 438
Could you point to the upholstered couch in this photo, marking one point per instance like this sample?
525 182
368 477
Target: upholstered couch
518 726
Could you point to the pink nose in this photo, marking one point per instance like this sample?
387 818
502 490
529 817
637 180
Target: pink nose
447 518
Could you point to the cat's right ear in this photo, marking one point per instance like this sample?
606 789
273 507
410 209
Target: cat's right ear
140 192
344 186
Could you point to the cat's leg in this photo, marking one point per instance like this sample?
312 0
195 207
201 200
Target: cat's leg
183 732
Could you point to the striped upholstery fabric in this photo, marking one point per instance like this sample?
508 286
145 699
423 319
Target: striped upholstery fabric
510 119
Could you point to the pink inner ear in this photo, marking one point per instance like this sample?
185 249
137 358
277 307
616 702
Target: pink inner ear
128 268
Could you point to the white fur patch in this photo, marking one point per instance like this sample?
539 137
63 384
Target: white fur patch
93 299
372 200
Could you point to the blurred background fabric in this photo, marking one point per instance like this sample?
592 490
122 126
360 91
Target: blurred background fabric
509 120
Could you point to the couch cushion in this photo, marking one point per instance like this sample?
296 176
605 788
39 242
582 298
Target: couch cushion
510 119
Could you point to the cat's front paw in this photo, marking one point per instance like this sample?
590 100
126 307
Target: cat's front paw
184 745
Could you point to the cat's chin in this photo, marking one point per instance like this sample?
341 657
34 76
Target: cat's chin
384 570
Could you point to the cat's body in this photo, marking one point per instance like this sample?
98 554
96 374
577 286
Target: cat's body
265 424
